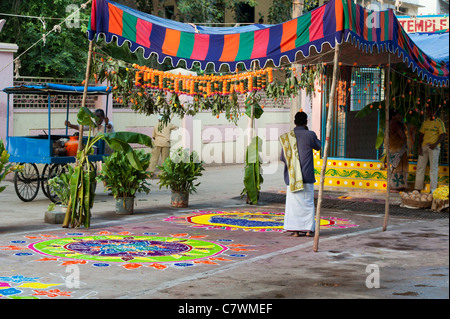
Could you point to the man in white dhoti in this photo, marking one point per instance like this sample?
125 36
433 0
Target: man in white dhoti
297 155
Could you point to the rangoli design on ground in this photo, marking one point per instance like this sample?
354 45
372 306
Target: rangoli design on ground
23 287
248 221
130 251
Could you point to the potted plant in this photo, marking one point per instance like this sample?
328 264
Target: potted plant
83 178
125 180
179 172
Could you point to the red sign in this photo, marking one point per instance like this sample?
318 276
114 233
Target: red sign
424 24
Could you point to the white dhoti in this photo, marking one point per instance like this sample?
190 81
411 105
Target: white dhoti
300 210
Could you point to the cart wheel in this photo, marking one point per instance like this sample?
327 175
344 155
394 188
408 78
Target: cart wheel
54 170
44 179
26 182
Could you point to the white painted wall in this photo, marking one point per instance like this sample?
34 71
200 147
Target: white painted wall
217 140
432 7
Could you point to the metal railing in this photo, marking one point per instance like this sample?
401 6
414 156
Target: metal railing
30 101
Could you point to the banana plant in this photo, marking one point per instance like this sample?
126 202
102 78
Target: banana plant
82 181
253 174
5 167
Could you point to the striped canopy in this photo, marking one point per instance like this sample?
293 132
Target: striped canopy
366 38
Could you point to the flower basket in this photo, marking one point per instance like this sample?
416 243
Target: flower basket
439 205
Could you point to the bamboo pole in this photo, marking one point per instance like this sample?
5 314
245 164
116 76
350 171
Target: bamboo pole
252 116
327 145
86 80
386 142
67 217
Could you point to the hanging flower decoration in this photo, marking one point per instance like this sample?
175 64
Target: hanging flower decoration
151 91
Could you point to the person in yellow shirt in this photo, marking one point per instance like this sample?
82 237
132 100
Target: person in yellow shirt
161 136
431 134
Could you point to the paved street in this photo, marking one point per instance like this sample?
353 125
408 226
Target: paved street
218 252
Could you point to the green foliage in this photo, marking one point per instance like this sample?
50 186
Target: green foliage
253 173
201 11
281 10
291 85
63 54
125 90
82 192
252 101
180 171
60 186
121 178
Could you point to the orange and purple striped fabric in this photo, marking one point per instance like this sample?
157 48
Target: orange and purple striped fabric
336 21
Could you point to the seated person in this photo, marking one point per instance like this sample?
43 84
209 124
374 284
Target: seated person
100 128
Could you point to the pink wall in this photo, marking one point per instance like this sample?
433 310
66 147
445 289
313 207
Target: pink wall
7 51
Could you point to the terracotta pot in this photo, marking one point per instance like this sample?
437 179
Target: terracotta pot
180 199
72 146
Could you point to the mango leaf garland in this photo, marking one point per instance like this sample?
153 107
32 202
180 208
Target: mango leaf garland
150 91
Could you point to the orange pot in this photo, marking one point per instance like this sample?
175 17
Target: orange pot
72 146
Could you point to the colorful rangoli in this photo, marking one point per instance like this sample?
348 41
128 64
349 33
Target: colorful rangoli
248 221
116 248
131 252
23 287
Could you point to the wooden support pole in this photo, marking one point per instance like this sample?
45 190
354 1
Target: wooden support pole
327 145
386 142
86 80
251 120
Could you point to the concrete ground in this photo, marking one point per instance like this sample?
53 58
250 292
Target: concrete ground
410 260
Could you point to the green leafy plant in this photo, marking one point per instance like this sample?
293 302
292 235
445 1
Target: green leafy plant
121 178
60 186
180 171
5 167
253 174
82 192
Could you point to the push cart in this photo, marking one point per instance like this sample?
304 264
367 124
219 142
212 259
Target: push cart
39 149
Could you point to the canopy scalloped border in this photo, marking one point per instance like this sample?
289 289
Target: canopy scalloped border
291 56
401 54
330 39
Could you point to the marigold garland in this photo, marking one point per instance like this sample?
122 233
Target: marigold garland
203 85
151 91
